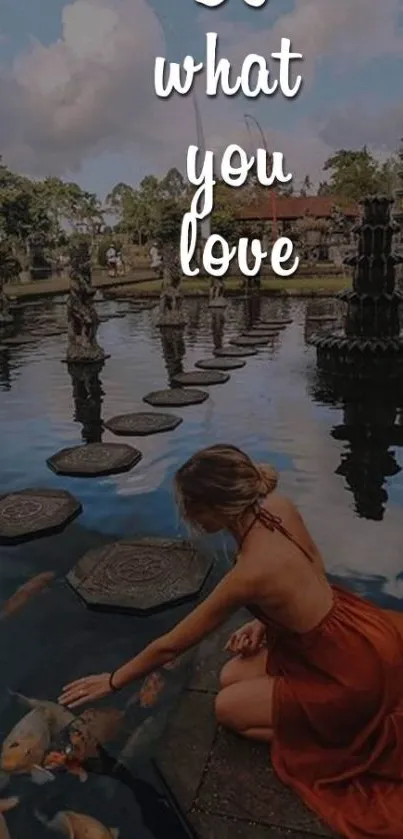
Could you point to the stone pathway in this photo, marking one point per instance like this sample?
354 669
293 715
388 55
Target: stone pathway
225 785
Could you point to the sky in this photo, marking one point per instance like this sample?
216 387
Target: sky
77 93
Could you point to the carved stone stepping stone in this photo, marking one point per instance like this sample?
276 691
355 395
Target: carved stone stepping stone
142 424
94 460
249 342
259 333
261 329
200 377
140 576
279 324
235 352
17 341
31 513
320 318
175 397
3 348
220 364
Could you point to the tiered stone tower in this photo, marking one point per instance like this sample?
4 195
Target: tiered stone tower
370 342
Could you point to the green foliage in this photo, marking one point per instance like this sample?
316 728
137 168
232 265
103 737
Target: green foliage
167 221
355 175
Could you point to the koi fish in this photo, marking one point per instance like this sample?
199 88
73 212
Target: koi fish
24 748
150 690
78 826
82 739
26 592
5 805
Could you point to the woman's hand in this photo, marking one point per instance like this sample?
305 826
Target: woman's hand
248 639
86 690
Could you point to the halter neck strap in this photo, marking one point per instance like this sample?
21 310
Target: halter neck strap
272 523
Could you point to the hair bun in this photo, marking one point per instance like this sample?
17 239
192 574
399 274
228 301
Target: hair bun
269 479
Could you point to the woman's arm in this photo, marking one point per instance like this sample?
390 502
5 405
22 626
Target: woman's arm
233 592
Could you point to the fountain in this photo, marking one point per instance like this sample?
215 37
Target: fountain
370 343
82 317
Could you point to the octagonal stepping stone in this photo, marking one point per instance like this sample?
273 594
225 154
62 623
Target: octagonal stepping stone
320 318
31 513
175 397
143 423
220 364
200 377
249 342
140 576
280 323
94 460
265 333
235 352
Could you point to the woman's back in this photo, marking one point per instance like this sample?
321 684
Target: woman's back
287 566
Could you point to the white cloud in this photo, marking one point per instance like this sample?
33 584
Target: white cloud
92 90
347 32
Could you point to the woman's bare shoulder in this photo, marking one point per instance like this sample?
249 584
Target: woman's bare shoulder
282 505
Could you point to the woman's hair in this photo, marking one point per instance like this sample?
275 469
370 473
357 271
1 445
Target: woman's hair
222 479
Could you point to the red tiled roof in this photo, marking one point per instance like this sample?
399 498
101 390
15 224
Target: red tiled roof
295 207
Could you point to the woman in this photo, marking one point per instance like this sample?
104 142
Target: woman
320 671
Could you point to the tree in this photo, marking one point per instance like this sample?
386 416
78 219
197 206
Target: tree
354 175
173 185
24 218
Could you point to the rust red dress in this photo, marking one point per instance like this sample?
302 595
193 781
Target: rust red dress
338 715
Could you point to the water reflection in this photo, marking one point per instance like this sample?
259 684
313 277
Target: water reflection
173 350
252 307
87 397
217 326
5 371
372 425
194 311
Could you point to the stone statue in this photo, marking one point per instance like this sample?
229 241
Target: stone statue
216 294
170 311
82 317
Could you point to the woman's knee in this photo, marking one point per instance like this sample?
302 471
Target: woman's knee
224 709
229 673
240 668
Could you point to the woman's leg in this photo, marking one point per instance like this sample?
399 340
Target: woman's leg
244 667
246 707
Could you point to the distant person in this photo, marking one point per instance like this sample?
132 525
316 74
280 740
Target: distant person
111 260
318 673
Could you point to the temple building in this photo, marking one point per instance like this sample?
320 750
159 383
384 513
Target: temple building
318 222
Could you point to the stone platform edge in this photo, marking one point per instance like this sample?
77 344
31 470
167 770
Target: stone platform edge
224 785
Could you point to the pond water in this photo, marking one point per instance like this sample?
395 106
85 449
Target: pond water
339 451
